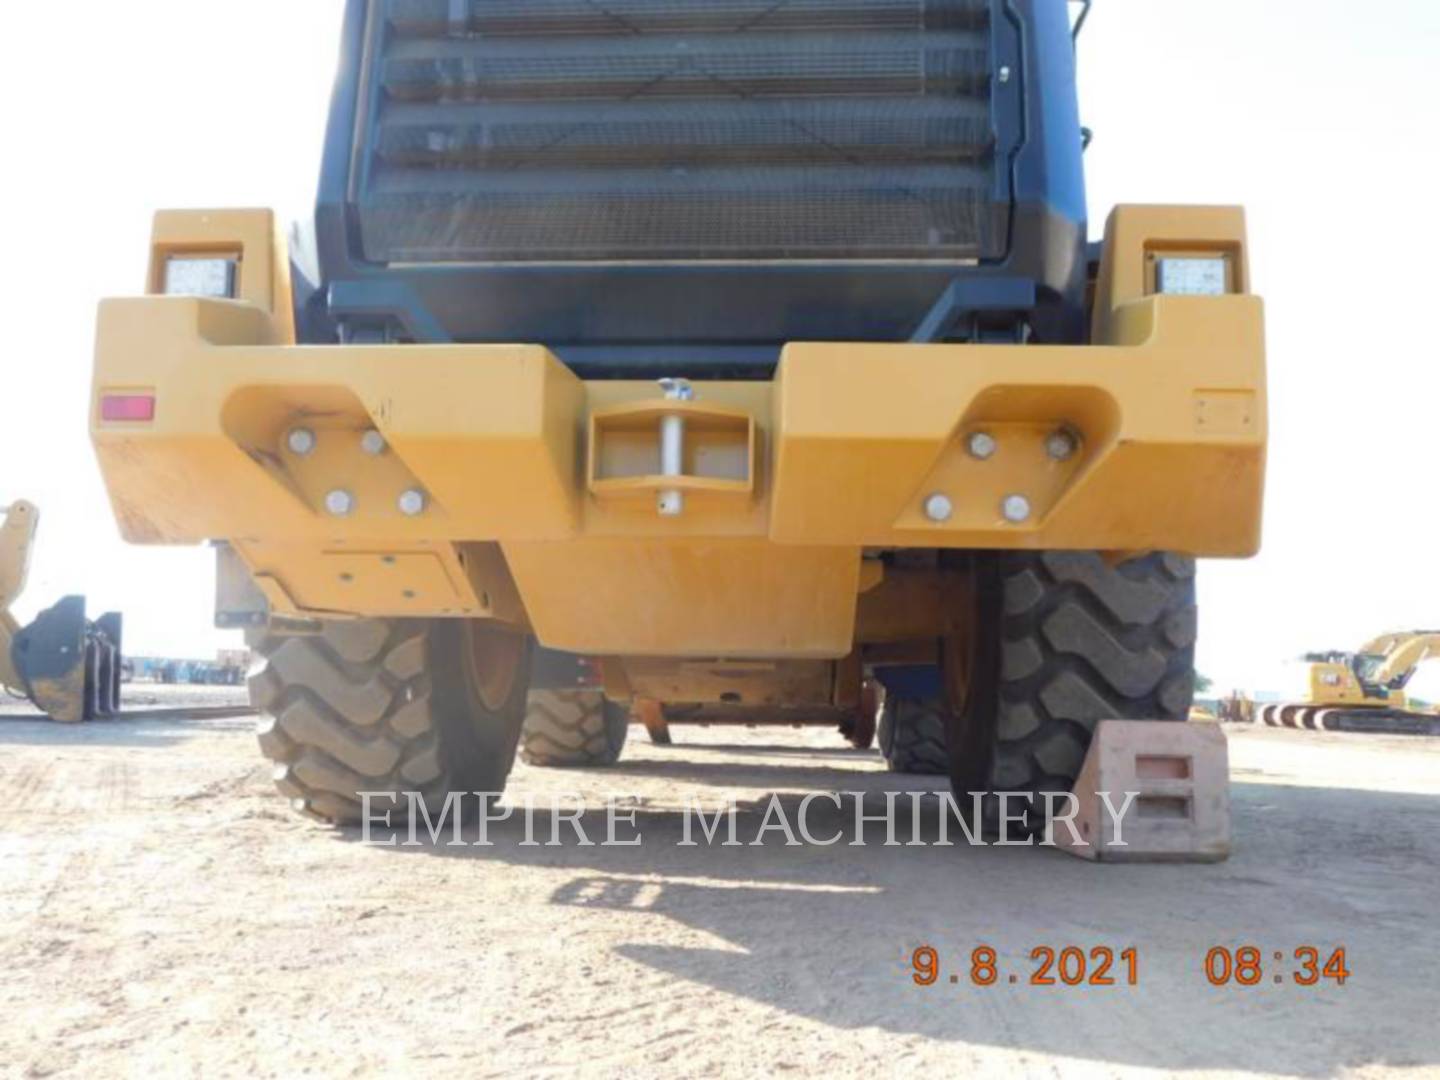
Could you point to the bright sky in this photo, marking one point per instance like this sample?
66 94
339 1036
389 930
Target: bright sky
1317 116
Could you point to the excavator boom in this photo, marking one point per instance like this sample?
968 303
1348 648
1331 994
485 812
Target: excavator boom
1365 690
1402 654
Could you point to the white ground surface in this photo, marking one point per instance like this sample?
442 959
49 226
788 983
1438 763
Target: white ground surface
162 912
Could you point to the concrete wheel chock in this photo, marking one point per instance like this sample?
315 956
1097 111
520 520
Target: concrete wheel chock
1151 792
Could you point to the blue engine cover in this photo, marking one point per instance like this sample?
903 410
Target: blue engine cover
689 184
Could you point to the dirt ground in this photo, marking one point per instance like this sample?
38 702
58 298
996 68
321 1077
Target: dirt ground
162 912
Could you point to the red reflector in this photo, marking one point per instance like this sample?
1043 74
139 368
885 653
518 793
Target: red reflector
127 407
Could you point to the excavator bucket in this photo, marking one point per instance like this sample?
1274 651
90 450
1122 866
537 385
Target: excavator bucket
68 666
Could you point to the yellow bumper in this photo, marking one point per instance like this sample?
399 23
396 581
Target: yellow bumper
783 483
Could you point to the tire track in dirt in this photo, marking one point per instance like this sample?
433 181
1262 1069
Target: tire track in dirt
45 788
23 783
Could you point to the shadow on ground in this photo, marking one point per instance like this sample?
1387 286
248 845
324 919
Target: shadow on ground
768 750
27 730
828 932
683 769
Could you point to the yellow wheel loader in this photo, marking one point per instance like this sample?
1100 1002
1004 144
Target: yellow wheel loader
66 665
733 352
1364 690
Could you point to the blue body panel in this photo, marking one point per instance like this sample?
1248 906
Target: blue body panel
918 682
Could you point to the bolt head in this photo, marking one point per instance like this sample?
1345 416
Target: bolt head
301 441
677 389
939 508
412 503
1005 74
1061 445
1016 509
982 445
373 443
340 503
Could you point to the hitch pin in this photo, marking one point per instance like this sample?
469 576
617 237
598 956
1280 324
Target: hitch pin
672 445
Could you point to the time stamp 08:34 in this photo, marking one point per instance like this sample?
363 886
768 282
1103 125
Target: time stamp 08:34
1071 965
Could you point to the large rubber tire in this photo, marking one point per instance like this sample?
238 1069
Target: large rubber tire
573 729
1064 641
389 706
912 736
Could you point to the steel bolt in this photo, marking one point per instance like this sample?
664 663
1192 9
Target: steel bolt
982 445
301 441
677 389
1061 445
1005 74
412 502
939 508
373 443
340 502
1016 509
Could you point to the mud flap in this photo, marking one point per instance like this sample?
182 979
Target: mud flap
69 666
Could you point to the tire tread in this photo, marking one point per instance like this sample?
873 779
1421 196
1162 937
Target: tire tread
912 736
572 728
1083 642
353 710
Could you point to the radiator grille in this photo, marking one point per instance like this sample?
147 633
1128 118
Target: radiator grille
678 129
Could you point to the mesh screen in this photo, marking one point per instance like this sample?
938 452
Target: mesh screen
424 18
697 129
834 132
727 67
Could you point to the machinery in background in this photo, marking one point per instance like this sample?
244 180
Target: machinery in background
227 669
1364 690
68 666
1238 708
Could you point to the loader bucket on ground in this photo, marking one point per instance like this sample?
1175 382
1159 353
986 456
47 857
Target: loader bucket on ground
69 666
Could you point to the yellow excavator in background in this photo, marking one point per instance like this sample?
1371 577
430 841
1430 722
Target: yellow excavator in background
1365 690
68 666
